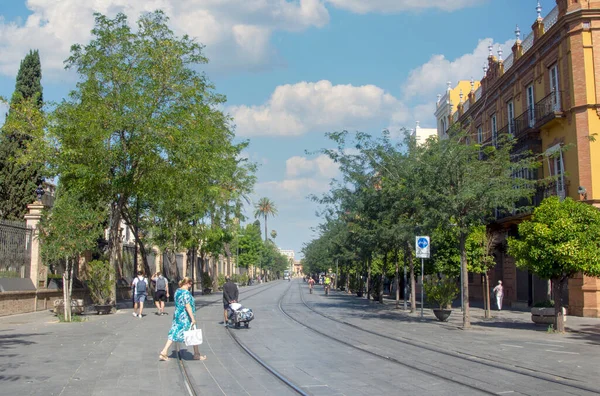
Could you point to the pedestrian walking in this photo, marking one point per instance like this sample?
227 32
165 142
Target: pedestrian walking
183 319
161 294
230 295
499 292
140 293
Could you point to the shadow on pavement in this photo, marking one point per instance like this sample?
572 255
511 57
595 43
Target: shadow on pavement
13 340
13 378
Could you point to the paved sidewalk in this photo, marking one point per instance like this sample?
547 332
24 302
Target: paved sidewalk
104 355
507 318
118 354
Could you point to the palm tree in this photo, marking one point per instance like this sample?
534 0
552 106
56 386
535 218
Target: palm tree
273 234
264 208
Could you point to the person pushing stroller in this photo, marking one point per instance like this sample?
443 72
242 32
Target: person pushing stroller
230 295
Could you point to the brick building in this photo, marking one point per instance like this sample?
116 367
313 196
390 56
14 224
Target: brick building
546 94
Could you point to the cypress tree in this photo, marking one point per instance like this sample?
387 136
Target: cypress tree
19 181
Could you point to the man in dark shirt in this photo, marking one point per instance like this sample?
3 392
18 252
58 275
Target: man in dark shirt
230 295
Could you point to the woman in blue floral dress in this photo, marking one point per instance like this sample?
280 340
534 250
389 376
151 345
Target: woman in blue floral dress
183 318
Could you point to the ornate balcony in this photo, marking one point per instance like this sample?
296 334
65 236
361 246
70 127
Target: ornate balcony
525 206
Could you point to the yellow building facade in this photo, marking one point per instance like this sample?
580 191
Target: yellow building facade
545 93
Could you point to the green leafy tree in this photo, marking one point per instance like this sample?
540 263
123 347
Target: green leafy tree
20 177
462 184
561 239
72 226
250 246
142 126
480 244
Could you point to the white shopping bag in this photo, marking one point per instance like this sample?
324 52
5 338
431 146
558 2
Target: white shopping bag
193 336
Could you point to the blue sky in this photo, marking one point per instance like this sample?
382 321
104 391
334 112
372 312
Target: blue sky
295 69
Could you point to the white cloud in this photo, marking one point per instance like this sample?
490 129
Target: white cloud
395 6
319 106
297 109
236 32
321 167
429 79
287 189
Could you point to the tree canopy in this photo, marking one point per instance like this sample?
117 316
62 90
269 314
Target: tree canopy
20 176
562 238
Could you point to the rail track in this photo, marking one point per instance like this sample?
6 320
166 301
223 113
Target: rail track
553 379
189 387
463 380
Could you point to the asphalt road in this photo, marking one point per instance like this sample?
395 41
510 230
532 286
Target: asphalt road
334 345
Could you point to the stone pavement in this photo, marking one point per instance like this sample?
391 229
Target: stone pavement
117 354
114 354
506 318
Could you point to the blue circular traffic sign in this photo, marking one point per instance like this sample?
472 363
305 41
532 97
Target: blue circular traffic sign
422 242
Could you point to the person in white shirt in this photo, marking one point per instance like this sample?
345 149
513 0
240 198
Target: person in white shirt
499 292
140 292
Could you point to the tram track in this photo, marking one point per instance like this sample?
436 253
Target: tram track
183 371
569 383
516 369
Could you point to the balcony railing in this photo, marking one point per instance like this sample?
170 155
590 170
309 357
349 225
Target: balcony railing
478 93
527 43
551 19
548 108
508 62
526 206
534 118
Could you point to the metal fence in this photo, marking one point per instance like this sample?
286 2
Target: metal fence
15 249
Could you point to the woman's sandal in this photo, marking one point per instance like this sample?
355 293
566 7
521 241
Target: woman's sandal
199 357
163 357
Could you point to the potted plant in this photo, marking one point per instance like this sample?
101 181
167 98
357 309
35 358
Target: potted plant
101 279
441 292
206 283
543 313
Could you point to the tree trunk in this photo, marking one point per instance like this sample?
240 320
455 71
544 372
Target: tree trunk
413 287
381 281
557 288
215 278
113 246
397 280
369 278
348 281
144 254
70 296
465 280
486 280
227 249
265 228
65 286
173 269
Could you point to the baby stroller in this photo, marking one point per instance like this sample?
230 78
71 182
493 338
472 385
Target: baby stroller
238 314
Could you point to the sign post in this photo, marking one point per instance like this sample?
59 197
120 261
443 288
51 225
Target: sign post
423 249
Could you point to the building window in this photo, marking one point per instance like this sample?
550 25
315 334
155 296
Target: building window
479 134
530 106
494 122
559 172
556 167
554 87
510 109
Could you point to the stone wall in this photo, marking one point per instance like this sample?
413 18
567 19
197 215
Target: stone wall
18 302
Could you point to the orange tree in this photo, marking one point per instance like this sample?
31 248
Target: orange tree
562 238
